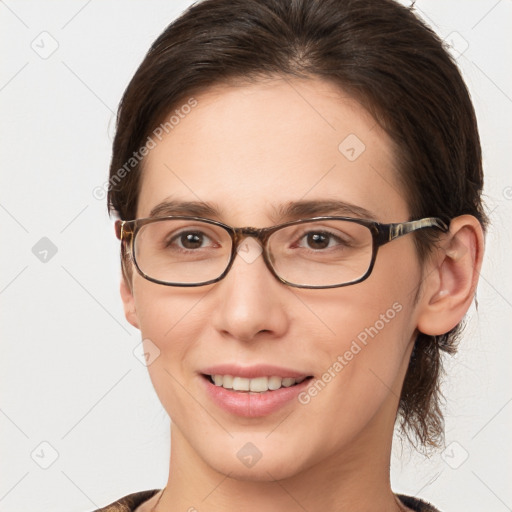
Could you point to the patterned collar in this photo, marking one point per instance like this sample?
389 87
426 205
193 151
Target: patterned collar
130 502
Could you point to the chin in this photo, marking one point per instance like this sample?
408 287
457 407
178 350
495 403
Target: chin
268 471
253 458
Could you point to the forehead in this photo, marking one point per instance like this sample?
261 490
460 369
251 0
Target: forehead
250 150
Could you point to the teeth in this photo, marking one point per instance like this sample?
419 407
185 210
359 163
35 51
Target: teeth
259 384
226 381
239 383
256 385
274 383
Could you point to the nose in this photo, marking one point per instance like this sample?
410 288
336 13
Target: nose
251 302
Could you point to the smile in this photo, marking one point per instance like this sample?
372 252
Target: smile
255 391
255 385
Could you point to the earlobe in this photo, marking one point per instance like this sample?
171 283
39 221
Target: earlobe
452 277
128 303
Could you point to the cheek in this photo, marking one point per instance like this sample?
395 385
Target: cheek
366 333
171 321
163 312
365 354
380 308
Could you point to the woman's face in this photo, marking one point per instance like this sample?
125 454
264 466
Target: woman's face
250 153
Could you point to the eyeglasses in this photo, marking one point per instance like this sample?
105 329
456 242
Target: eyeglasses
321 252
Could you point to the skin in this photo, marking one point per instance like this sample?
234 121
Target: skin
248 150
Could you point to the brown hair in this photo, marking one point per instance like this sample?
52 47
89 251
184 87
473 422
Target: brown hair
377 51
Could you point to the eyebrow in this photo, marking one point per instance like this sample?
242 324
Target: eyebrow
192 208
292 210
318 208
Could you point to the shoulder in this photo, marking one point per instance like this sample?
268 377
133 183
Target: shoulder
130 502
416 504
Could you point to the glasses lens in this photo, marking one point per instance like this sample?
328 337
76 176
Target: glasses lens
321 253
182 251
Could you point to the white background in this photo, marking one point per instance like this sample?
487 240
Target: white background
68 373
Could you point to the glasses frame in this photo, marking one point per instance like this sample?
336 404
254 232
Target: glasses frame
126 232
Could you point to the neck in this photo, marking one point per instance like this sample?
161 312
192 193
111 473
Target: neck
355 480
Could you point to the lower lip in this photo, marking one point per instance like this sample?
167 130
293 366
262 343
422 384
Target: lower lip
249 404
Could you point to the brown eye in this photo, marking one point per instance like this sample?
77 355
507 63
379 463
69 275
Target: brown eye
191 240
318 240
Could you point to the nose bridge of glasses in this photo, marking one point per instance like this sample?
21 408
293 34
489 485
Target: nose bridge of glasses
241 233
248 251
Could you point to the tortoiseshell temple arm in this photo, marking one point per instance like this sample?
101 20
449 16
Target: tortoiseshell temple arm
389 232
124 229
119 229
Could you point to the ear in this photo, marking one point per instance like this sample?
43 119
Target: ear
451 277
128 302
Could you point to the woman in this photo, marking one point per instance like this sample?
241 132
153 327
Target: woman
298 186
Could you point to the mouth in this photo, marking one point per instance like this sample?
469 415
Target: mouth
254 385
253 391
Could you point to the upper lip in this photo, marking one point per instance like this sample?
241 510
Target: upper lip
253 371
